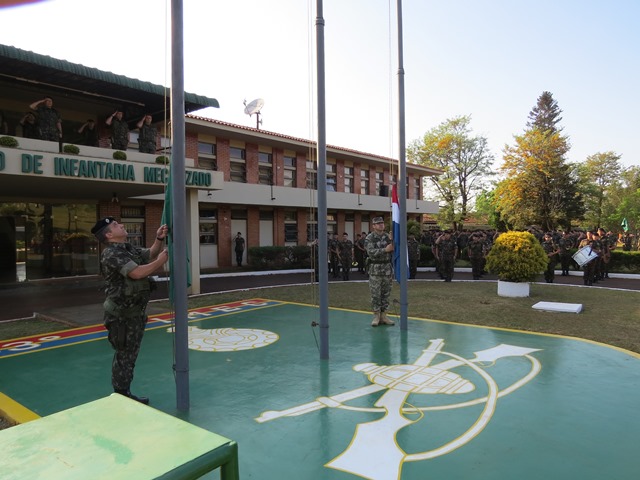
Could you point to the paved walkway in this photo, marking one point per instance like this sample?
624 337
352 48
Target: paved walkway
78 300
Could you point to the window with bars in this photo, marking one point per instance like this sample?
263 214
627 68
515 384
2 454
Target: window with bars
379 182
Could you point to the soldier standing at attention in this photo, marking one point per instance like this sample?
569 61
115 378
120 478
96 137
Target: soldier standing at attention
346 255
551 249
413 249
565 244
119 131
446 252
126 270
476 252
147 136
49 120
379 247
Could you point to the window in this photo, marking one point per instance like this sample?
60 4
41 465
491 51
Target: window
289 171
348 179
207 157
364 182
265 168
208 227
133 221
312 175
416 188
331 177
238 167
312 226
290 227
379 182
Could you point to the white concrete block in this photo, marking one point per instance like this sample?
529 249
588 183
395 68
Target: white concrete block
558 307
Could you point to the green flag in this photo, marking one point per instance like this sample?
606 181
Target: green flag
625 225
167 219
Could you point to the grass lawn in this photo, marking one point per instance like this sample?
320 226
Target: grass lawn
608 316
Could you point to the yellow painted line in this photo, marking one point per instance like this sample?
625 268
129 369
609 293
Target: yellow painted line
15 412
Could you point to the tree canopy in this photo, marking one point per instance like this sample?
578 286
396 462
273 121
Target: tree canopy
465 159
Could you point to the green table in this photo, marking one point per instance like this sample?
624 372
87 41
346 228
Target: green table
113 438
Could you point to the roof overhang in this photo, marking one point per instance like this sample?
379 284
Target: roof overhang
60 77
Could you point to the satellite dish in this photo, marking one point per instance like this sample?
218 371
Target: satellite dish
254 107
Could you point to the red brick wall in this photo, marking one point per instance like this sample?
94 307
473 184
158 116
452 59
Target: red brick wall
301 170
253 227
191 146
278 166
224 236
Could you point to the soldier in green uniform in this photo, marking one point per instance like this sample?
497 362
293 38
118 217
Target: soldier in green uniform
334 254
147 136
126 270
346 255
379 247
446 252
551 249
119 131
476 252
49 120
565 244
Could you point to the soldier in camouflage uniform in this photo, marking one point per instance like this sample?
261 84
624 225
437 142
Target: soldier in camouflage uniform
551 249
147 136
126 270
346 255
49 121
565 244
476 251
379 247
413 251
119 131
446 252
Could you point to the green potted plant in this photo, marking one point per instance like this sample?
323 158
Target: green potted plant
517 258
72 149
8 142
119 155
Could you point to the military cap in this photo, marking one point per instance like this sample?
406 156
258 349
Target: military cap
377 220
101 224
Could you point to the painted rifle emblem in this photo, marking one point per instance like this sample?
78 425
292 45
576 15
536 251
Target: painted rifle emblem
374 452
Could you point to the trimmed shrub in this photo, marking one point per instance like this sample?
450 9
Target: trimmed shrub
279 258
162 160
8 142
517 257
119 155
72 149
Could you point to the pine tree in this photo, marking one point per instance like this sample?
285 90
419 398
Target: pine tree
545 116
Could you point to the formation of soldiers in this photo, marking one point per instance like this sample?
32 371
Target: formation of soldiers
447 246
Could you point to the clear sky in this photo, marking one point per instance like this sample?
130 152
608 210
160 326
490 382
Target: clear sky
490 59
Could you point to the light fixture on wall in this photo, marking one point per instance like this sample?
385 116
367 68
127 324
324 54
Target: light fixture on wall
359 202
209 194
114 198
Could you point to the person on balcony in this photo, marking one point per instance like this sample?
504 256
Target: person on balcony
49 120
119 130
148 135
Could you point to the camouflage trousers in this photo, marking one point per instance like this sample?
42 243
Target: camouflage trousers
125 336
380 289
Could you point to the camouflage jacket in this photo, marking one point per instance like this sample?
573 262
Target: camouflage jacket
379 260
125 296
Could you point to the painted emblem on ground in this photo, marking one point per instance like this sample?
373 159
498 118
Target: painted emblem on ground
374 451
228 339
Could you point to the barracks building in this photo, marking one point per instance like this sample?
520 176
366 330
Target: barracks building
238 179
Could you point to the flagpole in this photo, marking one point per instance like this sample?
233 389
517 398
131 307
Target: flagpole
178 204
323 274
402 177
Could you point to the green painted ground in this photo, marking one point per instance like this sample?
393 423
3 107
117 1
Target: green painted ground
474 405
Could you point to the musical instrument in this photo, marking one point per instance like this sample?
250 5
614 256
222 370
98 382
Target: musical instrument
584 255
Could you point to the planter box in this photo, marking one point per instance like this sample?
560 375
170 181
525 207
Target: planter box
513 289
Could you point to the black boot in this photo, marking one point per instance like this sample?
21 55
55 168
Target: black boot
127 393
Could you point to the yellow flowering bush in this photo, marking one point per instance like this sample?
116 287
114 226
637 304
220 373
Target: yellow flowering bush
516 257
